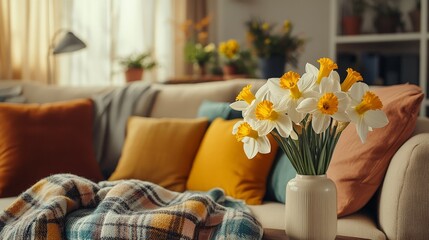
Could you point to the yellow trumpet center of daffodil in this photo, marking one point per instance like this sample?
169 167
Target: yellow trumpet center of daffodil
328 104
289 81
265 111
246 95
352 78
326 66
245 130
370 101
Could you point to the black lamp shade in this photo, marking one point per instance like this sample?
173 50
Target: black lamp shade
69 43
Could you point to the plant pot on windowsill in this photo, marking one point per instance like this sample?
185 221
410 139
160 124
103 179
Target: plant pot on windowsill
133 74
135 64
229 70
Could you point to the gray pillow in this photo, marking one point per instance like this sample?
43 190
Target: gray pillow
12 95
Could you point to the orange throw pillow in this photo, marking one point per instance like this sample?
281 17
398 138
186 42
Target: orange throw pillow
358 168
221 162
39 140
160 150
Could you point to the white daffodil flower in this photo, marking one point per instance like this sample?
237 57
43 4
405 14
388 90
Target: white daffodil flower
252 142
292 89
246 97
326 68
352 78
365 110
330 103
243 99
268 115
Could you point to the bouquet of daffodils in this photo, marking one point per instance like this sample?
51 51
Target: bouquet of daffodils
307 114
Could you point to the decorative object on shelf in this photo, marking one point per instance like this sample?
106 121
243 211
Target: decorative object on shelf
388 16
135 65
270 47
234 60
415 17
68 43
306 115
352 18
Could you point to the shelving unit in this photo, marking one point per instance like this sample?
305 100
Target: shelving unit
407 42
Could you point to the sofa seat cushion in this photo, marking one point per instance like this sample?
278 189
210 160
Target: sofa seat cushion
272 215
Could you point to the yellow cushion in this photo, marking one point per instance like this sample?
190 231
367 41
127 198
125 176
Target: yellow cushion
160 150
221 162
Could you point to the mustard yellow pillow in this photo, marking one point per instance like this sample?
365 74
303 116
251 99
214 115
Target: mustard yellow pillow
160 150
221 162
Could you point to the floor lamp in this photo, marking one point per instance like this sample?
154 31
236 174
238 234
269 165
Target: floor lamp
68 43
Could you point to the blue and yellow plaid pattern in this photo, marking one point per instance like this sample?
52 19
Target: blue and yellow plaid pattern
66 206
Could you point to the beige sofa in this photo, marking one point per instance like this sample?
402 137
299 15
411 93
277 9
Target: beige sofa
400 209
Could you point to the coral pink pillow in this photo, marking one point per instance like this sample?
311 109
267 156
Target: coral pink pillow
358 169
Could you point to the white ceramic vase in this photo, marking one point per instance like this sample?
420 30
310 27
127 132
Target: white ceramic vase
311 208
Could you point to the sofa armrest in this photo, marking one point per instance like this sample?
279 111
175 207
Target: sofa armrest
403 207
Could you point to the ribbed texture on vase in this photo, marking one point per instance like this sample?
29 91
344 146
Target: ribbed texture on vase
311 208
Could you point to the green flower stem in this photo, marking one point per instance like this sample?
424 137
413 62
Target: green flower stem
311 154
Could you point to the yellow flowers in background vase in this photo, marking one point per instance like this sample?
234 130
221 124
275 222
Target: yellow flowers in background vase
229 52
235 61
306 115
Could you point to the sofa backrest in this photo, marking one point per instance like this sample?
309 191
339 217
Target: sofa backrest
175 100
183 100
39 93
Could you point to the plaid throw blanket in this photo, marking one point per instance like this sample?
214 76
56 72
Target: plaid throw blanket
66 206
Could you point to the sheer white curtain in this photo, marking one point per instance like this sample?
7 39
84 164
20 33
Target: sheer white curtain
114 29
26 28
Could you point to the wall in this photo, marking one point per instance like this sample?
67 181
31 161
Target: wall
310 19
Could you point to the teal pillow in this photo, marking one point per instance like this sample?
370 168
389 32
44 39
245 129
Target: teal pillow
213 110
281 172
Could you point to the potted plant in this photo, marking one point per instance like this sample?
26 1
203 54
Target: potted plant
274 49
352 19
135 64
388 16
235 61
199 56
